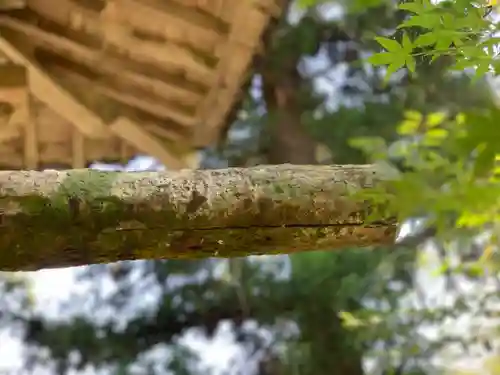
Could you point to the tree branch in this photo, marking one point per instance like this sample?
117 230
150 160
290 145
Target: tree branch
69 218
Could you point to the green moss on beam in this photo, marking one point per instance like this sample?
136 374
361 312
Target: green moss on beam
68 218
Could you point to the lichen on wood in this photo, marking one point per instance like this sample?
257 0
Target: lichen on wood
76 217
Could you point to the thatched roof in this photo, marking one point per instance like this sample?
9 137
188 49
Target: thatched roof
86 80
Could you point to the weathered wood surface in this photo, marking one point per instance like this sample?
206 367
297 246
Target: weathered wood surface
76 217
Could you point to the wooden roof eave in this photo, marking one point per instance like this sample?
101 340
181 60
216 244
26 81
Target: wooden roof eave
275 8
234 68
97 41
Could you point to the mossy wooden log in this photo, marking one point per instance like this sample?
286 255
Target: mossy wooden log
76 217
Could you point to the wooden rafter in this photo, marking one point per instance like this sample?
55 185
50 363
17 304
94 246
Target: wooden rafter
165 133
46 90
12 128
159 109
14 93
141 139
31 154
118 21
78 150
111 67
12 4
234 60
87 122
121 18
198 27
176 29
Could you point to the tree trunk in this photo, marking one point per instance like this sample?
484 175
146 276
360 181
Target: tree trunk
69 218
287 95
289 141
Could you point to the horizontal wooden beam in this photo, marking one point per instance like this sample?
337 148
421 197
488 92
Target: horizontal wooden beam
69 218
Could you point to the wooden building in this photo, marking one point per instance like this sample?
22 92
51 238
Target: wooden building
88 80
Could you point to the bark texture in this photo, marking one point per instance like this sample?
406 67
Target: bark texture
69 218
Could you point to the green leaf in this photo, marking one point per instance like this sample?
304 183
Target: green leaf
408 127
448 21
472 51
426 21
410 64
414 7
492 41
407 44
374 146
473 270
394 67
496 67
349 320
463 64
426 39
458 42
390 45
382 58
435 119
414 116
308 3
482 68
444 41
434 137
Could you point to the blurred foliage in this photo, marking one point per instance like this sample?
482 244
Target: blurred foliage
448 159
